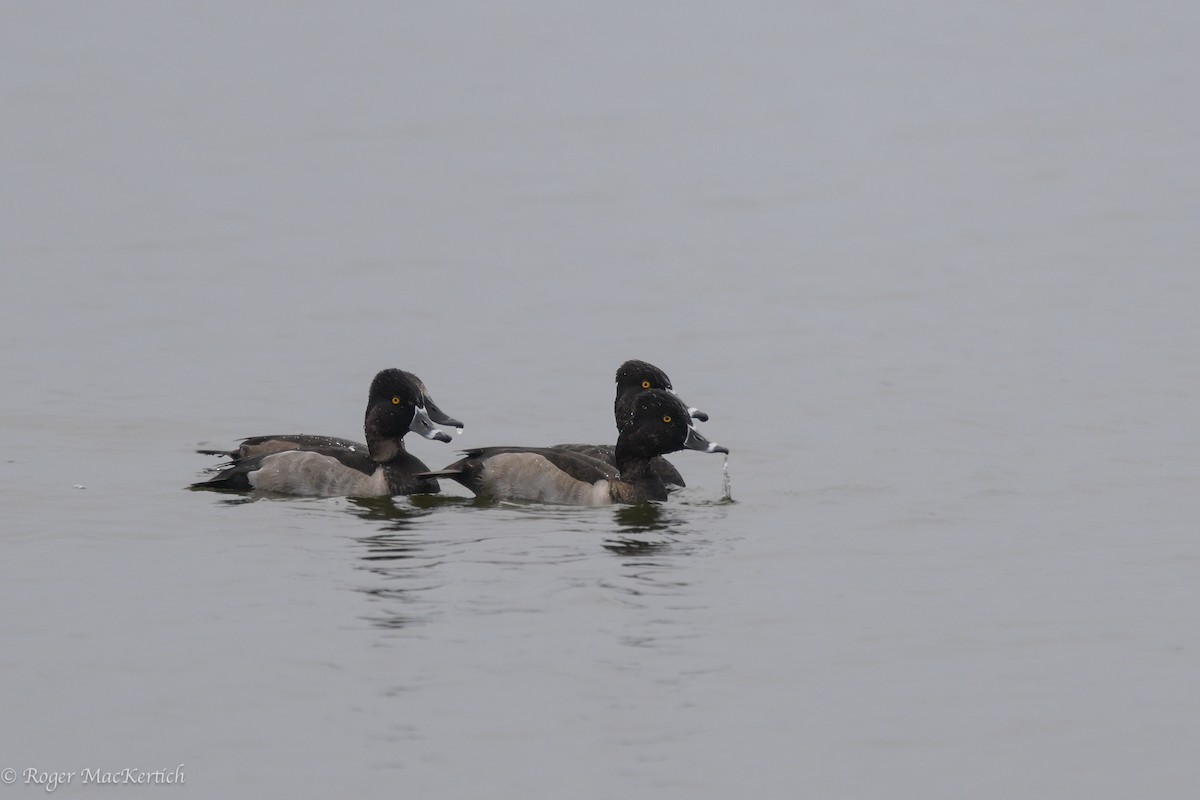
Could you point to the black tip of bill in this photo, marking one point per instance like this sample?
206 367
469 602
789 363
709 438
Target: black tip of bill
696 441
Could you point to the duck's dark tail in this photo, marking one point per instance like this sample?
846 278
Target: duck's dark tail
231 479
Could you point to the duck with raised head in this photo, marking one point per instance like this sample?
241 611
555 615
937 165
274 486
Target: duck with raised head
633 378
659 423
324 466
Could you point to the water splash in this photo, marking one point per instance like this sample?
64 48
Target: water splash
728 484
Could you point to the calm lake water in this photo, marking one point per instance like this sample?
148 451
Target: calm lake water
930 268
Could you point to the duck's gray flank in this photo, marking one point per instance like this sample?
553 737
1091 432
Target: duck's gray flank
312 473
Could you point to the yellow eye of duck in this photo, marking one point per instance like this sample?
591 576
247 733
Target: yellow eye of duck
666 417
645 384
396 400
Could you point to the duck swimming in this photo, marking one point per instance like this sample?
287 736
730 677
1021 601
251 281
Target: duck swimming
658 423
265 445
325 466
633 378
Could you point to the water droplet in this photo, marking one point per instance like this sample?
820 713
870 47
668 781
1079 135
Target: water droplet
458 431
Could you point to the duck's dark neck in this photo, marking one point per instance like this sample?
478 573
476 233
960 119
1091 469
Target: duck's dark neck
638 481
386 449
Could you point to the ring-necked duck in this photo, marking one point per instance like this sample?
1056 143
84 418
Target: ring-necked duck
328 467
265 445
659 423
633 378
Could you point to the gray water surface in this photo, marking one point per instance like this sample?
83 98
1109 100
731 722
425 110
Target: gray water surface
931 269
